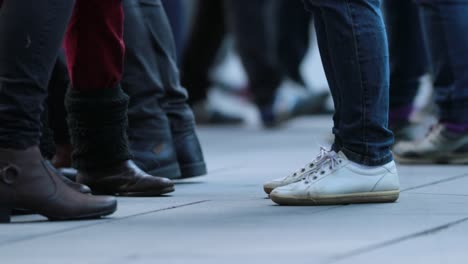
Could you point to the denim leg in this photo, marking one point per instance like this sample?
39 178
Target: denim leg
358 56
34 31
407 54
446 32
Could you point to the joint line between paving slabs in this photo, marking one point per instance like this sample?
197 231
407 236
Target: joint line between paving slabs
435 182
95 223
395 241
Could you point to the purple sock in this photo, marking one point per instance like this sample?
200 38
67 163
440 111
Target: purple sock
456 128
400 114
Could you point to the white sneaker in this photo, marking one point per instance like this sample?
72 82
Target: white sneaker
298 175
340 181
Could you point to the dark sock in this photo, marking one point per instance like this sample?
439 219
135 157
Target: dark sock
456 128
400 114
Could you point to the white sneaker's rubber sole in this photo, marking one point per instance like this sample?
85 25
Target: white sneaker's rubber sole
354 198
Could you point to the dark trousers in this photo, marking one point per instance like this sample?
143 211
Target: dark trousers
271 37
203 43
151 76
251 26
32 33
408 60
291 36
354 50
176 13
445 25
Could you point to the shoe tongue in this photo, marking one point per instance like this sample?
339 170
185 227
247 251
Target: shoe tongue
342 155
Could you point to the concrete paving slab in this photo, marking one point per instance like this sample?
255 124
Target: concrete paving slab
226 217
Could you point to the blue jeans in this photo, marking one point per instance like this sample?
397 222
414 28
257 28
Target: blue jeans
445 26
354 50
408 60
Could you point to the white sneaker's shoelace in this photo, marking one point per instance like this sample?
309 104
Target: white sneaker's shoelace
330 159
313 166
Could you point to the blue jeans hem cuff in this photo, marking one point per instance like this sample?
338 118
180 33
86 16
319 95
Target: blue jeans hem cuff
366 160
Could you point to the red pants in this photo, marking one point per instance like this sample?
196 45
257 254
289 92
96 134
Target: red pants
94 44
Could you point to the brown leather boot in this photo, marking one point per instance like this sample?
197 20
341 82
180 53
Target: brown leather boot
26 181
126 179
74 185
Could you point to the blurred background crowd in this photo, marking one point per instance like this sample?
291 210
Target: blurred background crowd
261 55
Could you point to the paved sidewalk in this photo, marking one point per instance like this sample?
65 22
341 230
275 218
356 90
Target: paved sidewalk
226 218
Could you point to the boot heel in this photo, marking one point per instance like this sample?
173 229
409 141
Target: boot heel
5 214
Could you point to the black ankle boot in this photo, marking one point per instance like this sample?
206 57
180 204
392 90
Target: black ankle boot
153 151
188 149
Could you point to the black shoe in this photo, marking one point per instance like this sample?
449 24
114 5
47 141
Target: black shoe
154 152
189 153
125 179
206 115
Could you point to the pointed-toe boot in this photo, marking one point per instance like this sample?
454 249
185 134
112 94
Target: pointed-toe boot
26 181
125 179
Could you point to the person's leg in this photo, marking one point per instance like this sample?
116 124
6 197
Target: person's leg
360 169
407 62
359 57
249 23
149 130
292 34
203 43
97 106
445 26
31 36
58 86
176 12
291 42
174 99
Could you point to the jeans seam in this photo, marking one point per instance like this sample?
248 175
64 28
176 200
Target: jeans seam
337 86
364 91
